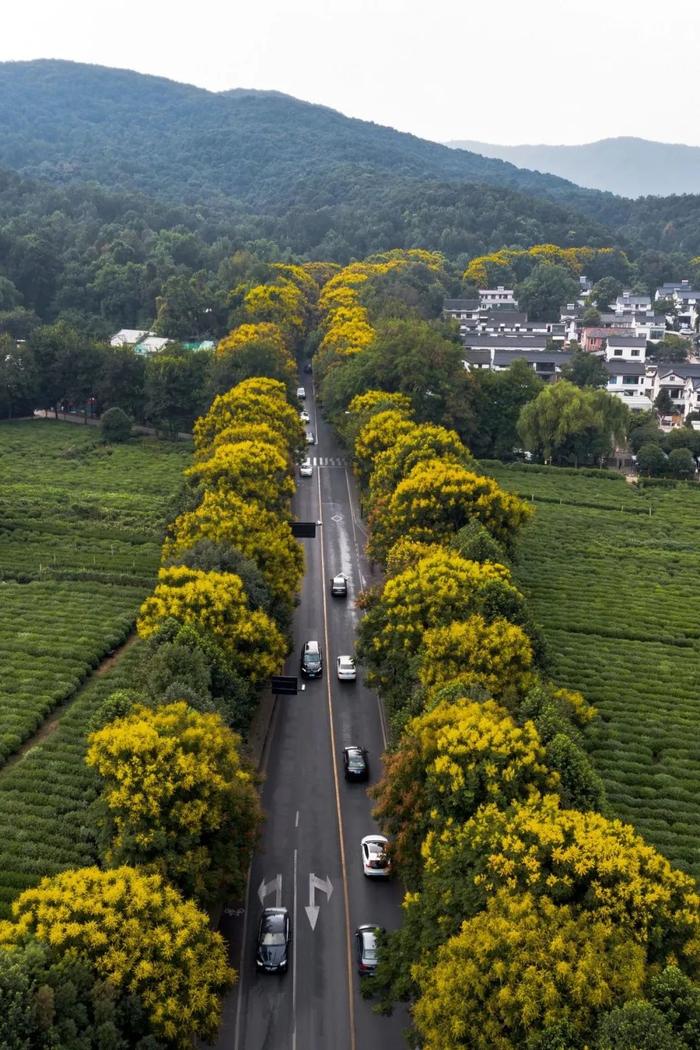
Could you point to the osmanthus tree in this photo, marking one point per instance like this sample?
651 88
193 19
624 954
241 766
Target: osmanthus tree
252 470
281 303
379 433
136 933
259 534
177 799
425 441
253 401
251 350
436 588
495 657
520 967
435 500
217 604
450 761
597 865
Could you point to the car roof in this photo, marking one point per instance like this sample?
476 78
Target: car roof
346 658
375 840
274 918
311 646
340 576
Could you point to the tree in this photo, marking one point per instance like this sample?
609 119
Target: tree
671 348
364 406
225 518
51 999
449 761
255 400
521 966
174 388
651 460
177 799
498 400
663 403
637 1026
138 933
543 293
115 426
377 435
495 656
435 500
251 470
680 464
594 864
216 603
565 423
586 370
605 292
251 350
425 441
18 377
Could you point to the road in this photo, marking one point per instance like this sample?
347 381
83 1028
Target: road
314 818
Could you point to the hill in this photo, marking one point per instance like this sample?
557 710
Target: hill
65 120
630 167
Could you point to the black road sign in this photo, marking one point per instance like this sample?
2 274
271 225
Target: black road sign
304 529
283 685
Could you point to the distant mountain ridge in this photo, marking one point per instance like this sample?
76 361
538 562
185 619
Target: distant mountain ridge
627 166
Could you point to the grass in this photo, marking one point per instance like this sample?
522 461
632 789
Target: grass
80 532
612 574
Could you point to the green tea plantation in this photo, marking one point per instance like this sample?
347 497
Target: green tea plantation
613 576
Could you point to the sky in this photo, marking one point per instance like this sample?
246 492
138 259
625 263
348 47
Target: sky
505 71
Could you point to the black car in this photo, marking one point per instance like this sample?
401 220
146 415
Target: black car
366 948
308 368
272 953
355 763
311 660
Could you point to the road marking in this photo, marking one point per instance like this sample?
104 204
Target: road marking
336 785
325 886
265 888
294 956
296 820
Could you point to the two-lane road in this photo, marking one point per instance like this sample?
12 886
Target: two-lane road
309 859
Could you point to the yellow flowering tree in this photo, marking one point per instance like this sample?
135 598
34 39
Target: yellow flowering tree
596 864
449 761
522 966
435 590
231 435
223 517
252 350
138 933
363 406
494 657
425 441
253 470
216 603
281 303
378 434
253 401
177 799
435 500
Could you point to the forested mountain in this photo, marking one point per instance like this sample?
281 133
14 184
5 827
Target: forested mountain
631 167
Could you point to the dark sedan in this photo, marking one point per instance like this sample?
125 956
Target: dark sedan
311 660
272 953
355 763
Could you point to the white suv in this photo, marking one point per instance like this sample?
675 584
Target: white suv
306 468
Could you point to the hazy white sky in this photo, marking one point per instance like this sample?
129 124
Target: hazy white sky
505 71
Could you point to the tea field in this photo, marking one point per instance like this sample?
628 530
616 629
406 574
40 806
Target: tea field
613 577
80 531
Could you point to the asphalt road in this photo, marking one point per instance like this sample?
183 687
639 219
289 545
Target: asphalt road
314 818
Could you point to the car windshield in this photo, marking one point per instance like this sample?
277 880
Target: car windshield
312 658
271 939
356 761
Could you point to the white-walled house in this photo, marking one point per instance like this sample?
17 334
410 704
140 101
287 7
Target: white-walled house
628 303
682 382
627 380
499 296
128 337
625 348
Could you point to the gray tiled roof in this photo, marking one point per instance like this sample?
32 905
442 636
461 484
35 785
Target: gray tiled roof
504 342
628 368
460 304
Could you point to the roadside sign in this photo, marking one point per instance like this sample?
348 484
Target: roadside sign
304 529
283 685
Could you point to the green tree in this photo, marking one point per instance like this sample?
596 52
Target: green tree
115 426
680 463
568 424
671 348
651 460
586 369
174 389
545 291
499 398
605 292
663 403
18 378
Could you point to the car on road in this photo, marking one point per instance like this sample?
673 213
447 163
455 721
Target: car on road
366 947
274 935
301 393
304 416
308 368
310 437
339 585
375 856
347 672
311 660
355 763
306 468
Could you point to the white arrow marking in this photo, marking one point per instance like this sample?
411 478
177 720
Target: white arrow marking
266 888
326 886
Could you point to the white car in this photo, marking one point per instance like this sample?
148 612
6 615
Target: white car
310 437
346 669
375 856
306 468
301 393
304 416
